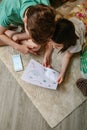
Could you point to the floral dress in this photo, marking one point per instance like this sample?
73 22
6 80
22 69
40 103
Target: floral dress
80 11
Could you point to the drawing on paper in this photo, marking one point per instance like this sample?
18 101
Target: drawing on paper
37 74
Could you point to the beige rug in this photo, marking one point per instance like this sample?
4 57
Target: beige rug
54 106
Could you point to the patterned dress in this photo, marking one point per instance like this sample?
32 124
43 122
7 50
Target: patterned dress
80 11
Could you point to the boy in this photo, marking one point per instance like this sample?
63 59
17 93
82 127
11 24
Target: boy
37 17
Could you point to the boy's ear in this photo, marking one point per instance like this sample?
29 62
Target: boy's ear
25 19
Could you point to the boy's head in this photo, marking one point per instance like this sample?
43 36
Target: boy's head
65 34
40 23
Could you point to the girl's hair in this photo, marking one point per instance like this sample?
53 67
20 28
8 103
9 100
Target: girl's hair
41 22
65 34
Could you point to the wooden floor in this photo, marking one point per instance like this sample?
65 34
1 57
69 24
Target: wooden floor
18 113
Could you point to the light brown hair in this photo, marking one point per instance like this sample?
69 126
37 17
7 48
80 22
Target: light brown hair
41 22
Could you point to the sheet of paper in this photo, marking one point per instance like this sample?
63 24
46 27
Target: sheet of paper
37 74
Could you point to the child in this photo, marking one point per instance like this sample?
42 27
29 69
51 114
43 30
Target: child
37 17
68 37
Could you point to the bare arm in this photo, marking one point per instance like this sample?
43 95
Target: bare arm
7 41
16 36
47 56
2 29
20 36
65 63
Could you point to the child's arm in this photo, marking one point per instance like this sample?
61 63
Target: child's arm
20 36
47 56
7 41
29 45
2 29
65 62
10 33
16 36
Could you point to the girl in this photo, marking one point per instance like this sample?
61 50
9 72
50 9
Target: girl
68 37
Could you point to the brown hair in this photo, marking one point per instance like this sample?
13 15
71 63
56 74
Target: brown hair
41 23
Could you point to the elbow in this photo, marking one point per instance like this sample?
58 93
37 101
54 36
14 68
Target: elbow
2 30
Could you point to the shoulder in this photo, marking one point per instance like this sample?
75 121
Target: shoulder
79 26
80 31
75 49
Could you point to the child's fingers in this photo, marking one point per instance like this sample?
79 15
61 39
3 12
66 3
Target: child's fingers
46 64
30 51
59 80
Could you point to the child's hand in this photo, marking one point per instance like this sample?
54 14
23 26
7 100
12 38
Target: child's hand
60 78
46 62
23 49
32 52
15 38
